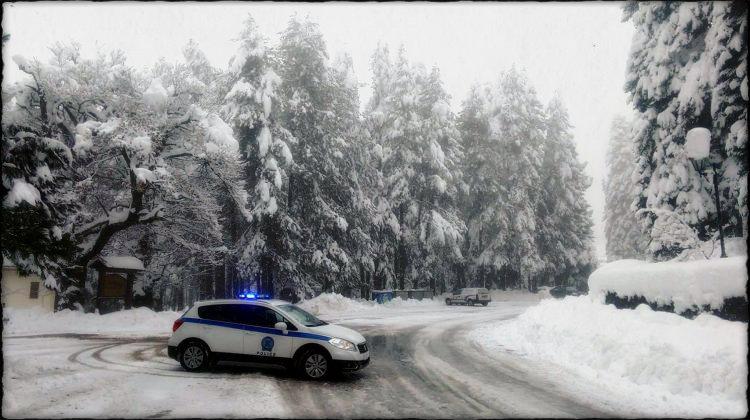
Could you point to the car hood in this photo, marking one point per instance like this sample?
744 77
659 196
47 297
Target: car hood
338 331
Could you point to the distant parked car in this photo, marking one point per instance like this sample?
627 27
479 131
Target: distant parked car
469 296
560 292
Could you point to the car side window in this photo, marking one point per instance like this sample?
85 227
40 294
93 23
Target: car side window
213 312
260 316
272 317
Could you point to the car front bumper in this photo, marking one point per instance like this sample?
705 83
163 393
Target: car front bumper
351 365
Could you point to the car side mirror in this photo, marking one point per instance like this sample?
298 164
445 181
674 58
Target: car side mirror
280 326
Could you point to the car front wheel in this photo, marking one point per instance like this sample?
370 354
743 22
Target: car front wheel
315 365
448 302
470 302
195 357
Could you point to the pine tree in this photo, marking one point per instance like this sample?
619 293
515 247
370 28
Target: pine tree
564 224
322 192
271 245
517 123
410 119
726 50
36 158
621 228
384 225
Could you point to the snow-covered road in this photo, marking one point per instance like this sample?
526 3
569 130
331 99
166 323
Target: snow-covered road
423 365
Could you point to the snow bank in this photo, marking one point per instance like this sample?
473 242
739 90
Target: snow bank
685 284
662 363
132 321
336 304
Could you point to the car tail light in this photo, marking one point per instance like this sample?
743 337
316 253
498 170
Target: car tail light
177 324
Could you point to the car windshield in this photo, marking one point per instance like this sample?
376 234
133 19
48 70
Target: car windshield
300 315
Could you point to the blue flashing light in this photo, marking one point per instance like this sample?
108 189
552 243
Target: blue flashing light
253 296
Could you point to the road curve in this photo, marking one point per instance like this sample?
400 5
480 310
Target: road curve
433 371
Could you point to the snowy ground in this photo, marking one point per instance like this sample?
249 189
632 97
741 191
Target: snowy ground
428 360
657 363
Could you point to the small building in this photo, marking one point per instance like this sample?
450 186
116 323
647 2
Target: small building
25 292
116 275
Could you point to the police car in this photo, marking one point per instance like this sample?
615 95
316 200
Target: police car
264 331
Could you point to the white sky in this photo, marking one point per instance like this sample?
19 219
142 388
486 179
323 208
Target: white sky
576 49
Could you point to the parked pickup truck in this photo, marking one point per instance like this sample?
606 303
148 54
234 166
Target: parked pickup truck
469 296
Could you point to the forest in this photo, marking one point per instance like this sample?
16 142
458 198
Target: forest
269 174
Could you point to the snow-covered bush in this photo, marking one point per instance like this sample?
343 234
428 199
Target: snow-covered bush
684 287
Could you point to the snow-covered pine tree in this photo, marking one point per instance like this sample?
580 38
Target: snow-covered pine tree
385 227
503 132
271 247
621 229
726 49
564 223
36 158
410 120
322 192
483 209
358 166
441 228
679 78
517 123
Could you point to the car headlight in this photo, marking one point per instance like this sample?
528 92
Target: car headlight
342 344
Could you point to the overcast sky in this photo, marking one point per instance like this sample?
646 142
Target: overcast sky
578 50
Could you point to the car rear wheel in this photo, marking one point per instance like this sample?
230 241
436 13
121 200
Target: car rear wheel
195 357
315 364
484 303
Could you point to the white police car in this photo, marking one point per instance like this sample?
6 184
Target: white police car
264 331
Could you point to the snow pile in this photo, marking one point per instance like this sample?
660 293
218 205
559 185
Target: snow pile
336 304
685 284
521 295
665 364
138 320
126 262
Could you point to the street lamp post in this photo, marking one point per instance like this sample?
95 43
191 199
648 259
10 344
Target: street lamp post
697 147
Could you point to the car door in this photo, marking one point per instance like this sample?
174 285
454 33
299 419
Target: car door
261 338
457 295
220 331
